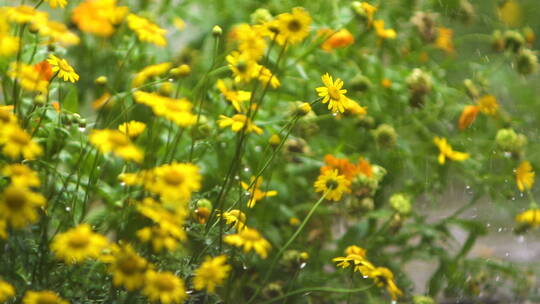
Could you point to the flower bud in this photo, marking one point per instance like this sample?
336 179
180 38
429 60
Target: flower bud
513 41
203 209
273 290
202 129
526 62
401 203
217 31
385 136
274 140
508 140
260 16
101 80
166 89
497 40
423 300
420 84
303 109
181 71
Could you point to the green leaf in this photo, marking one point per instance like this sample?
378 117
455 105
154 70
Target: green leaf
71 101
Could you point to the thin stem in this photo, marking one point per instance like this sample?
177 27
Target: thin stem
317 289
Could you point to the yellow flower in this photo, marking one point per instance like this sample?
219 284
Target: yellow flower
243 67
18 205
98 16
332 184
368 11
21 175
146 30
28 77
127 267
446 151
488 104
211 273
103 101
266 77
235 217
340 39
524 176
150 71
174 182
62 67
529 217
169 220
159 238
57 32
250 40
356 257
25 14
383 277
468 116
57 3
3 236
132 128
235 97
175 110
6 291
382 32
255 193
333 94
237 123
164 287
6 117
353 108
249 239
293 27
510 12
116 142
18 143
8 44
179 23
78 244
40 297
444 39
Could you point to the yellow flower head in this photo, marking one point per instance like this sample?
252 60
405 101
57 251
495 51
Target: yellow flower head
444 39
468 116
21 175
235 217
243 67
116 142
6 291
39 297
127 267
237 98
8 44
255 193
332 184
382 32
62 67
170 221
249 239
446 151
529 217
28 77
238 122
524 176
57 3
164 287
98 17
175 182
57 32
211 273
158 237
293 27
18 143
175 110
384 277
251 41
333 94
132 128
150 71
266 77
146 30
510 12
3 236
19 205
488 104
25 14
78 244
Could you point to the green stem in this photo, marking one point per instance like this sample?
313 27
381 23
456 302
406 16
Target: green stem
318 289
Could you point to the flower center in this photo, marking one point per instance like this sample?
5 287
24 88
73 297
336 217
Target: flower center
173 177
294 25
47 298
15 198
4 117
163 283
241 66
332 184
20 137
128 265
334 93
78 241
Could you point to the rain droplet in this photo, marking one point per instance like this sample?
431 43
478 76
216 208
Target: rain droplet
500 229
236 177
246 169
258 148
68 209
303 265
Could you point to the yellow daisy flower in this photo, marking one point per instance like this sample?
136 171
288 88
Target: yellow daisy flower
8 44
98 17
249 239
21 175
18 205
243 67
293 27
7 118
150 71
382 32
266 77
40 297
28 77
158 237
127 267
164 287
444 39
255 193
211 273
333 94
529 217
175 110
132 128
235 97
169 219
62 67
333 184
237 123
234 217
25 14
78 244
383 277
446 151
18 143
146 30
3 236
57 32
524 176
488 105
57 3
6 291
250 40
356 257
117 142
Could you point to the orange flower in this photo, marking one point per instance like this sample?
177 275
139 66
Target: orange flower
340 39
343 166
364 167
386 83
444 39
468 116
44 70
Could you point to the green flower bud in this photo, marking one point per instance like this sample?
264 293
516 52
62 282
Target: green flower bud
385 136
420 84
526 62
260 16
423 300
497 40
513 41
217 31
401 203
508 140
